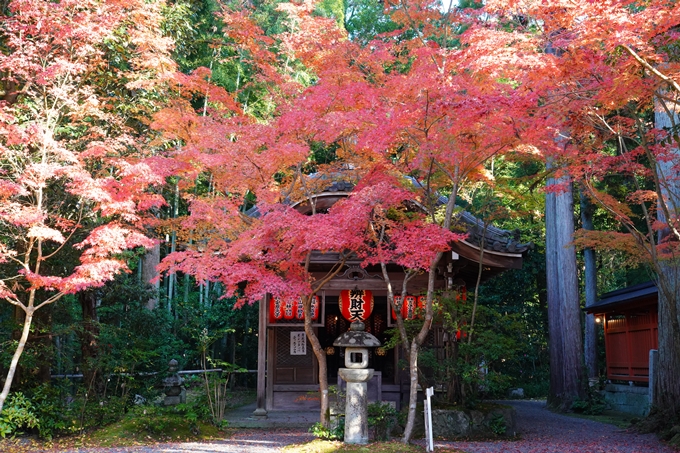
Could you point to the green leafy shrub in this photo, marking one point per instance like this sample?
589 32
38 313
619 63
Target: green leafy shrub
537 389
334 433
497 424
193 413
381 417
56 416
593 404
17 414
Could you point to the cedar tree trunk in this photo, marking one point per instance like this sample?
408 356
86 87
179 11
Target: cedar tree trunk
666 392
563 299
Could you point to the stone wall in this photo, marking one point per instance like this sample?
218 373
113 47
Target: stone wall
627 398
493 422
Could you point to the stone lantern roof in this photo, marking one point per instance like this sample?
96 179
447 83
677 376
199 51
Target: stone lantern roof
356 337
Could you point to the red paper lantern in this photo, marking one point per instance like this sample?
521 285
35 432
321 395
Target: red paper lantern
289 309
316 303
284 309
410 307
356 304
300 309
275 309
397 301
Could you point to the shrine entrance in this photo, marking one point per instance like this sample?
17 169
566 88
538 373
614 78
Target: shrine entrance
287 367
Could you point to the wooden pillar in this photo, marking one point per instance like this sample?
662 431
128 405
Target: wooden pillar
261 411
271 354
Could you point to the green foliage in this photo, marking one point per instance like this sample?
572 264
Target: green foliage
192 413
334 433
216 384
17 414
473 363
132 340
592 404
497 424
51 412
381 417
56 416
332 9
366 19
538 388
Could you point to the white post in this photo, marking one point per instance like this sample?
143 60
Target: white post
429 445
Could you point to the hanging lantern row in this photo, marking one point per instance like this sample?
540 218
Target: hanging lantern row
291 309
356 304
411 306
414 304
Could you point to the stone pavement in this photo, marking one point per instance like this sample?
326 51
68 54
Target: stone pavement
299 420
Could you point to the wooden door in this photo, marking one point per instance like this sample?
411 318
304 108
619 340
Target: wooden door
291 366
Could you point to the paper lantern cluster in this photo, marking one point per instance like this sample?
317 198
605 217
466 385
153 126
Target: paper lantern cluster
291 309
356 304
410 307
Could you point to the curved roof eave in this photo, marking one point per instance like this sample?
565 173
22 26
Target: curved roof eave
499 243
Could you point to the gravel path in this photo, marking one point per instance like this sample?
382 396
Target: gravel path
541 431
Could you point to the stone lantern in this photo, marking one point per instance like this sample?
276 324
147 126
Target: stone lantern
174 392
356 343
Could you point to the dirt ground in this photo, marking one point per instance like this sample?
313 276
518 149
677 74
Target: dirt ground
541 431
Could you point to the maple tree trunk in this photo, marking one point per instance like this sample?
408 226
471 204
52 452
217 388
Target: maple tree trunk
589 256
325 417
413 361
563 300
416 343
15 358
413 389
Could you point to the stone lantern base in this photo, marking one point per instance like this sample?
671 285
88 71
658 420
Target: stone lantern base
356 412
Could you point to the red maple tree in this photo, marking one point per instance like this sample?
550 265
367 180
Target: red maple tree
73 178
396 107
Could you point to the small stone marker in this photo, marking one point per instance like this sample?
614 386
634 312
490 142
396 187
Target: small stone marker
516 393
429 443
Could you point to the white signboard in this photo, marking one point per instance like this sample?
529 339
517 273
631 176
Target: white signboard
298 343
